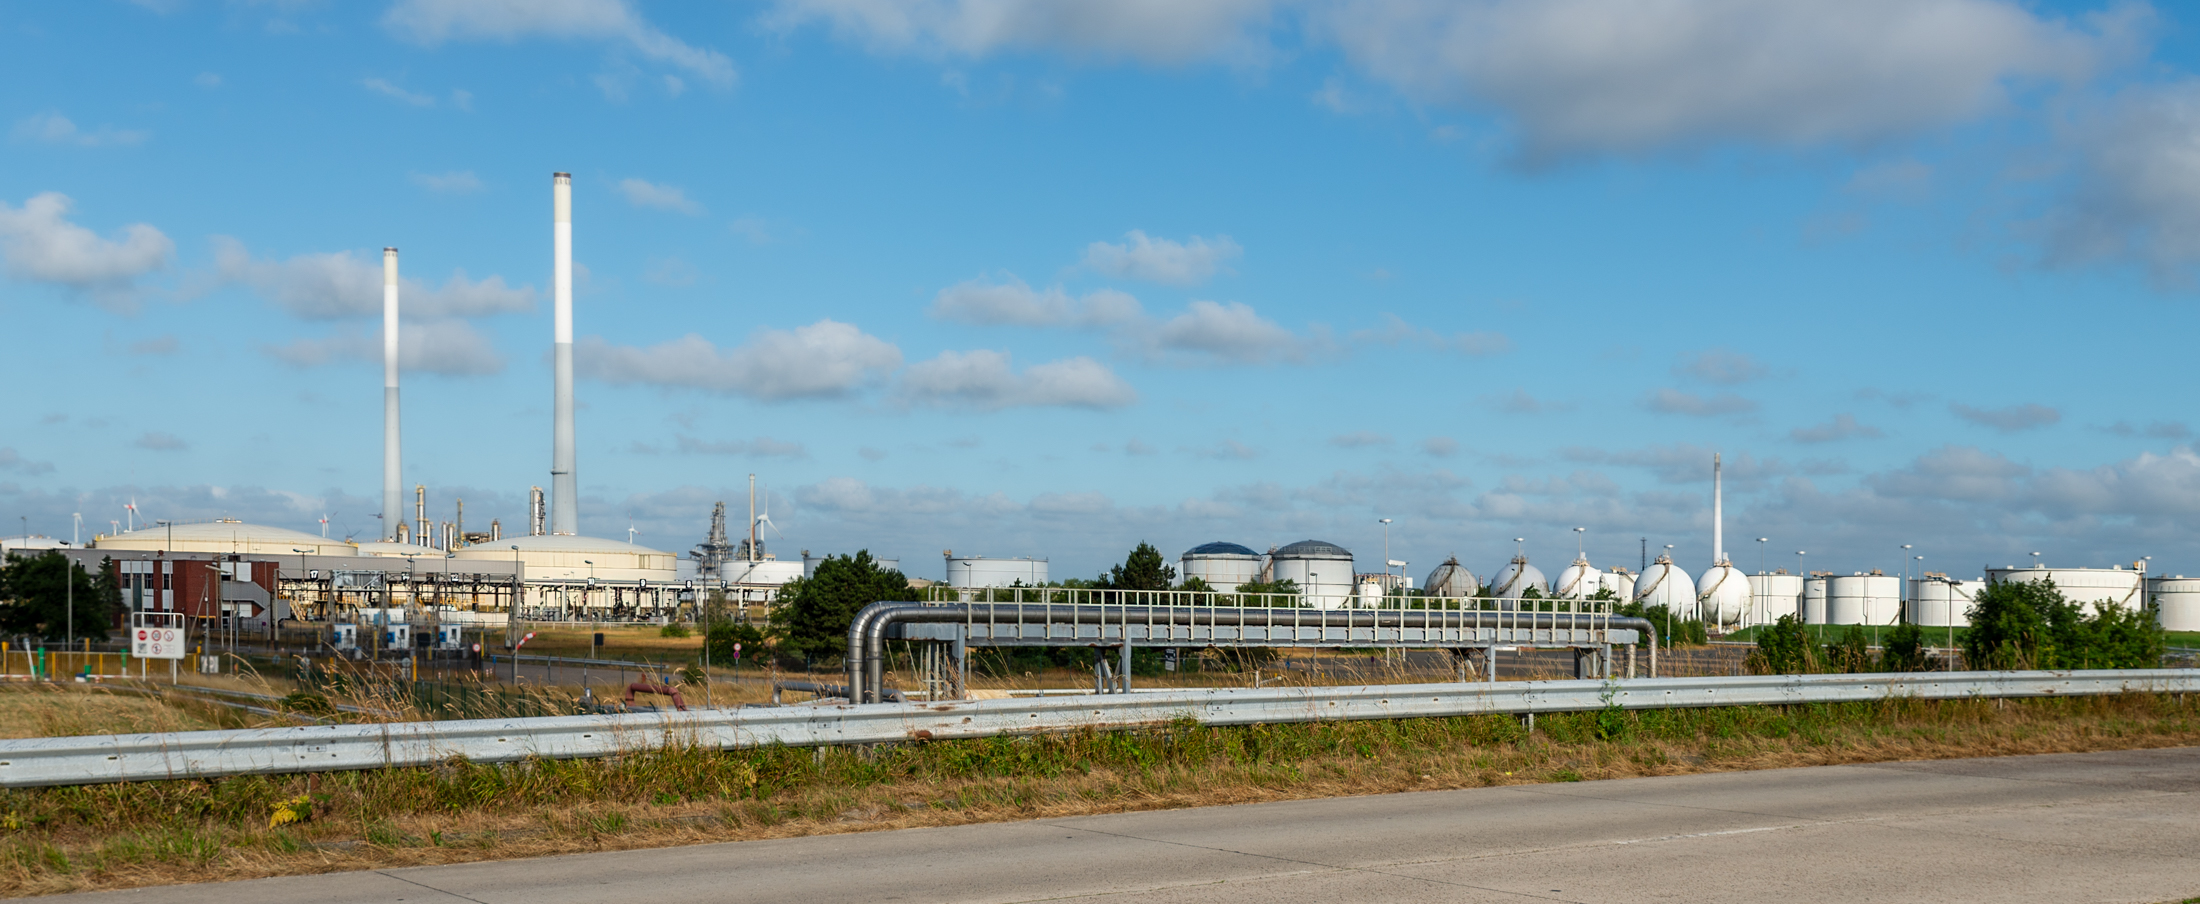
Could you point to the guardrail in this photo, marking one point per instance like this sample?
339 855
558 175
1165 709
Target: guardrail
322 748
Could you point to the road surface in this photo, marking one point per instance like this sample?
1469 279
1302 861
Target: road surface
2122 826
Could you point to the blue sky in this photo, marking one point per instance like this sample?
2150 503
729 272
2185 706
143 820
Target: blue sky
1054 278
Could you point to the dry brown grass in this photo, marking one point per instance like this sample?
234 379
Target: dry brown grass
416 817
55 711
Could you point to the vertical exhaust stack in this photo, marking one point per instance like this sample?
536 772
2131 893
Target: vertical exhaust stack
392 489
565 516
536 512
424 533
1718 515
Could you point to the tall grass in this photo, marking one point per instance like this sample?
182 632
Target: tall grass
124 834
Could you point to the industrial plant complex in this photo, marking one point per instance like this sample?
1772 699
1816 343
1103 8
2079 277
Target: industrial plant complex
423 577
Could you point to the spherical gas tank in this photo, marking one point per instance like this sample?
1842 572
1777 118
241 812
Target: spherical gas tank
1451 580
1665 584
1578 581
1722 595
1516 578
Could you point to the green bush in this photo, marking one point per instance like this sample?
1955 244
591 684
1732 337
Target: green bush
2031 625
1851 654
1904 650
1784 648
674 629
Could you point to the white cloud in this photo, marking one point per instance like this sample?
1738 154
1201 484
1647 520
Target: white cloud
826 359
160 442
433 22
339 284
38 243
1674 401
455 182
1953 472
1185 263
1843 426
760 447
1155 31
670 272
1440 446
387 89
1396 331
54 128
2154 430
2135 191
1588 77
1012 301
10 460
1723 366
1229 331
442 346
641 193
986 380
2008 420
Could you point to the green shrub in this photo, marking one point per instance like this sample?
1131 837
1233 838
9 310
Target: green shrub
2031 625
1784 648
1904 650
1851 654
674 629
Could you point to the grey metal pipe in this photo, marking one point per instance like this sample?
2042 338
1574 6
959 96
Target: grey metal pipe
867 631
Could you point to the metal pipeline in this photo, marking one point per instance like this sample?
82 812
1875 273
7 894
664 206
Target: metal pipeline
866 659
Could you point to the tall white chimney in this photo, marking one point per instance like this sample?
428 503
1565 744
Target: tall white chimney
1718 515
565 516
392 489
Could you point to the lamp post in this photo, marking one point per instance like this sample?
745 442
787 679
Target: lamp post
1386 552
1763 579
588 597
1661 582
1800 615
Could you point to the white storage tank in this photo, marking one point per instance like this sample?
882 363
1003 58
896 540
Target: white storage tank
1775 595
1814 597
810 561
1371 593
771 572
1323 572
1863 599
2179 599
979 571
1940 602
1451 580
1222 565
1722 597
1513 581
2081 585
1620 581
1578 581
1665 584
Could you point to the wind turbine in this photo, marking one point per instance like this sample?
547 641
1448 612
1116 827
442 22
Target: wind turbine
765 519
324 525
630 531
132 508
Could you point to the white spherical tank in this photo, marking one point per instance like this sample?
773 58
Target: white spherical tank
1516 578
1323 572
2179 600
1665 584
1814 598
979 571
1722 595
1451 580
1577 581
1863 599
1938 602
1223 566
1775 595
1620 582
2092 586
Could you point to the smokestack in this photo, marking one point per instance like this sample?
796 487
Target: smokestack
1718 515
535 511
424 534
458 527
565 516
391 487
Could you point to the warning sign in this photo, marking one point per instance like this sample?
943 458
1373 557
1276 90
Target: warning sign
157 635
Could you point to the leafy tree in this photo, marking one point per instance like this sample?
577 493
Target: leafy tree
812 617
1851 654
1784 648
2009 626
720 637
36 591
1904 649
1143 570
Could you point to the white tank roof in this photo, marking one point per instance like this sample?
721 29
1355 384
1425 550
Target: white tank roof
1665 584
565 557
1515 578
227 536
1579 580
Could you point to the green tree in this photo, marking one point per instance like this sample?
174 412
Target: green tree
1851 654
812 616
1784 648
1903 650
2010 626
1144 569
720 637
36 597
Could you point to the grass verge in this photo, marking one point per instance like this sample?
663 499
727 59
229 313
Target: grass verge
112 836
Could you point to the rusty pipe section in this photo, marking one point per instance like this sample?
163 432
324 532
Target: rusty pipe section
866 661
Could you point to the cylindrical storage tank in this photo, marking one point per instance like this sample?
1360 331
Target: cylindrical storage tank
1451 580
1371 594
1323 572
2179 600
979 571
810 562
1775 595
1863 599
763 571
2092 586
1941 603
1577 581
1814 598
1515 579
1665 584
1222 565
1620 582
1722 595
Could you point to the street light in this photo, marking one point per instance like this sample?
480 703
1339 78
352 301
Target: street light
1764 580
1386 550
1801 614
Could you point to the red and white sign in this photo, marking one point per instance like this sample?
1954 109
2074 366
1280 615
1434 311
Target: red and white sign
157 635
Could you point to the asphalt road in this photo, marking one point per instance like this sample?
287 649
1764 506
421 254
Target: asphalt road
2121 826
